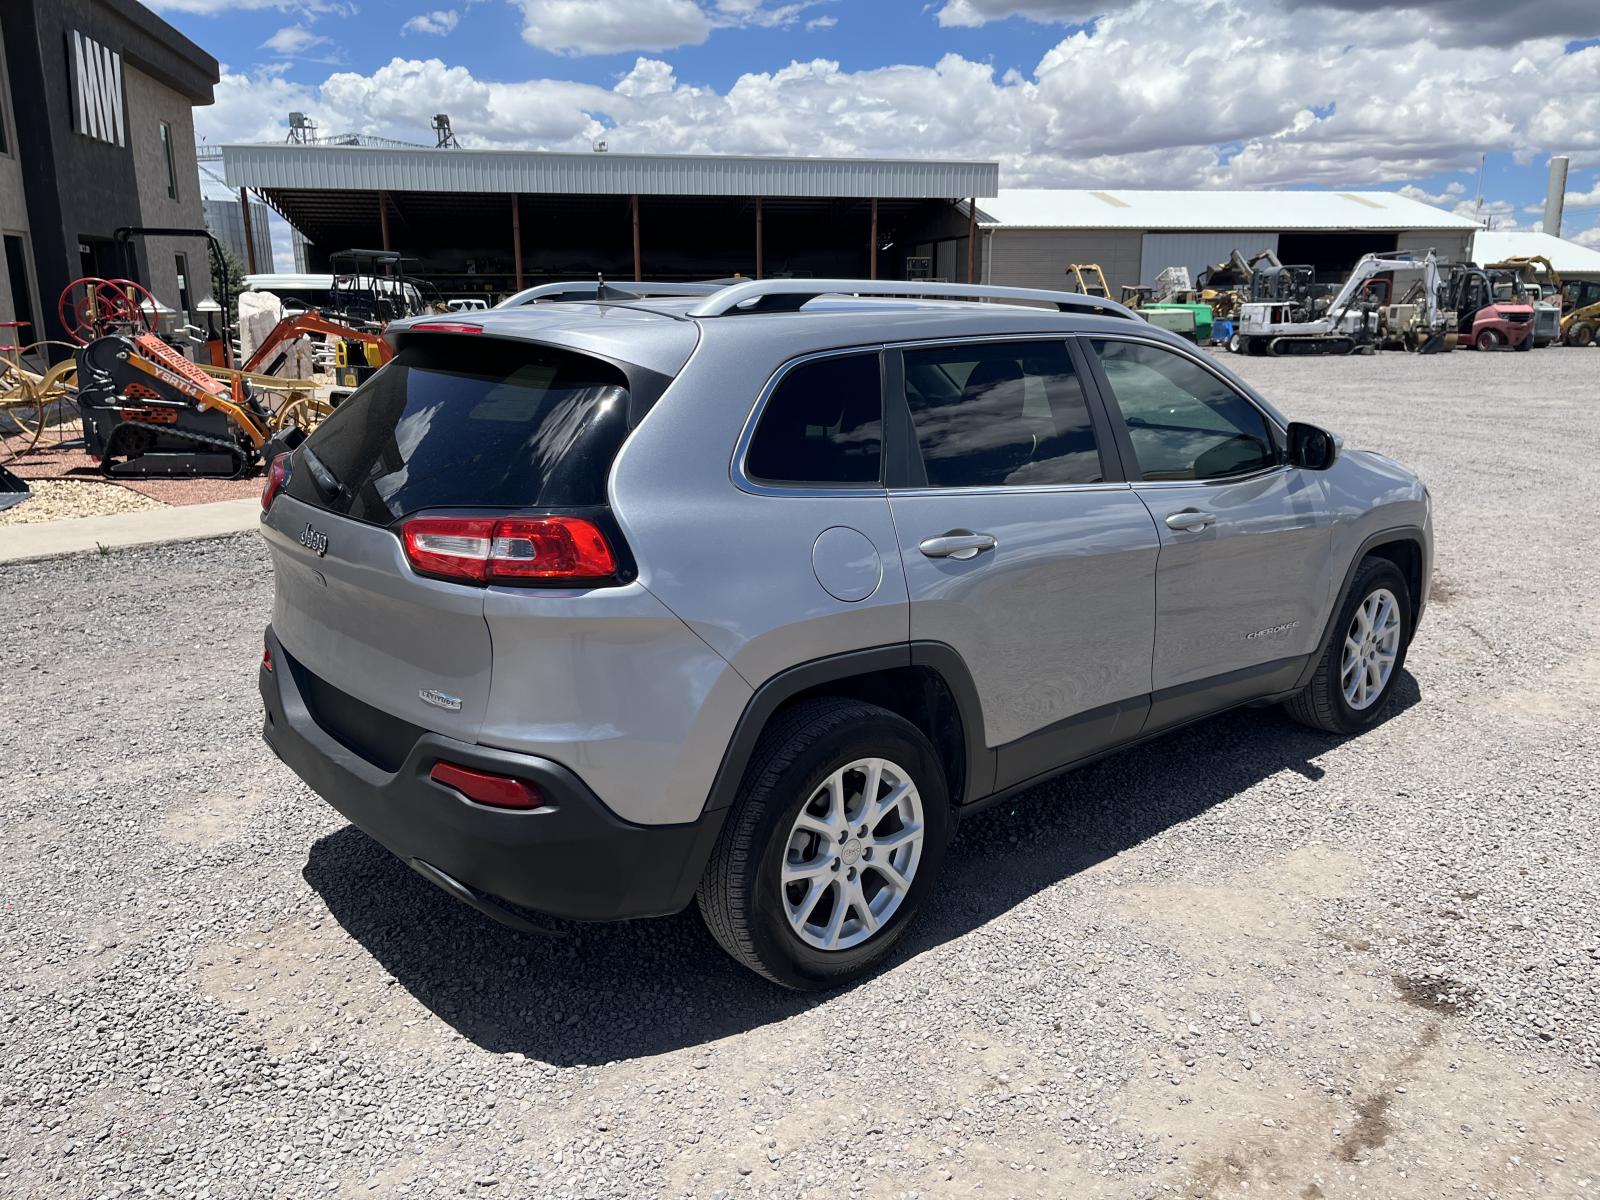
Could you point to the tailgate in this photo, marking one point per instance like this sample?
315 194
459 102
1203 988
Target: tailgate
358 618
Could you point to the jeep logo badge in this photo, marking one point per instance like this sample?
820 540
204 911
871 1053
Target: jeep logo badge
314 540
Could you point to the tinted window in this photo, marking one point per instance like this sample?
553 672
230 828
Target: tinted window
1183 421
1002 413
823 424
469 422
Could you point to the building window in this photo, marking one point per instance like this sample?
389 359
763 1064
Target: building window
172 168
181 262
19 278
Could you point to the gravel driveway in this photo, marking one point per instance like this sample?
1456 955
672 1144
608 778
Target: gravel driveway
1247 960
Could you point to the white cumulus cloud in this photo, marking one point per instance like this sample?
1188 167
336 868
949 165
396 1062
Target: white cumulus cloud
1224 94
439 22
292 40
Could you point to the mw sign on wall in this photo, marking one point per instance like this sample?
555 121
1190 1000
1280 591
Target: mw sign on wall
96 90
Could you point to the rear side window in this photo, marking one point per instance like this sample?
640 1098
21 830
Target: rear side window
1002 414
470 422
1183 421
822 425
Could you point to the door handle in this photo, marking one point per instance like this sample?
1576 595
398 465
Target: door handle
1190 519
958 543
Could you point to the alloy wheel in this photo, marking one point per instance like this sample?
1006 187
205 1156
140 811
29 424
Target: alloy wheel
1371 645
852 854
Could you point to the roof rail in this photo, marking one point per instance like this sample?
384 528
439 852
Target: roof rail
589 289
789 295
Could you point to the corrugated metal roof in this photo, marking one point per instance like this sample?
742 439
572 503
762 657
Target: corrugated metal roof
1041 208
1569 258
369 168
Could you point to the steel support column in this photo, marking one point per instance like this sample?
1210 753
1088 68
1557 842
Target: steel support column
972 238
383 217
760 249
873 248
249 235
638 258
516 237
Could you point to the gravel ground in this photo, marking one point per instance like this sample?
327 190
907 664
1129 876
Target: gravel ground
68 464
62 499
1248 960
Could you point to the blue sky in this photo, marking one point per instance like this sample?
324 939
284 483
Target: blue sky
1210 93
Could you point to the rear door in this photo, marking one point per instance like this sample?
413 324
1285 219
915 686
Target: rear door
1022 548
1245 538
452 425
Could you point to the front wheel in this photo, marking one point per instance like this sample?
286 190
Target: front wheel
1489 339
1236 344
833 844
1581 335
1356 674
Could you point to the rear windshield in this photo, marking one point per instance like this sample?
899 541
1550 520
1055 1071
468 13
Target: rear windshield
458 422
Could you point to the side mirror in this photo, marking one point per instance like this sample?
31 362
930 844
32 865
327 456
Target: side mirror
1311 448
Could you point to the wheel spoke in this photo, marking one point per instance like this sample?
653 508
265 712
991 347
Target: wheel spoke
841 905
800 914
890 875
812 823
868 918
887 805
835 785
869 790
890 842
793 872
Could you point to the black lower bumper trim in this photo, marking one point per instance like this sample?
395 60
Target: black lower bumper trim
572 857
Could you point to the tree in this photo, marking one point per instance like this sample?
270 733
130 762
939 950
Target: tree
230 279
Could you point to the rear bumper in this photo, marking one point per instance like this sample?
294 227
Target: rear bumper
570 858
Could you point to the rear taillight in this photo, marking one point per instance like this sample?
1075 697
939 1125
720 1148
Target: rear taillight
278 473
491 549
266 659
481 787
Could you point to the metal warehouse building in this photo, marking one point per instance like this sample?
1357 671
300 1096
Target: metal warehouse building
491 221
1031 235
1570 259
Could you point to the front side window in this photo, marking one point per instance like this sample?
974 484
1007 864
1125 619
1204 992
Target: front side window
172 168
1000 414
822 425
1184 422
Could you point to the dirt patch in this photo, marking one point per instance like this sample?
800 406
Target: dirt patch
1435 993
1445 590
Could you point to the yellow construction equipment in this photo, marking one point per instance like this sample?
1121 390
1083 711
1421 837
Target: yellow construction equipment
1089 280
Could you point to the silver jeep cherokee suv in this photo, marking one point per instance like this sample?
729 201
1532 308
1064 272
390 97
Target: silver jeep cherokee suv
610 599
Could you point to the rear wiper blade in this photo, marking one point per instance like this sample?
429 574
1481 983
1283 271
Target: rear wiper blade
324 480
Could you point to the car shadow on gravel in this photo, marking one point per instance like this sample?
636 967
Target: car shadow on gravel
634 989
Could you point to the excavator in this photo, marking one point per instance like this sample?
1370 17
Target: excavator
1349 322
148 410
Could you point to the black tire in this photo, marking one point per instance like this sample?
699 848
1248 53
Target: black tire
1526 343
739 895
1581 335
1322 704
1489 339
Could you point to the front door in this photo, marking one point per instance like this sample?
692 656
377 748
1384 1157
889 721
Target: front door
1021 550
1245 539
